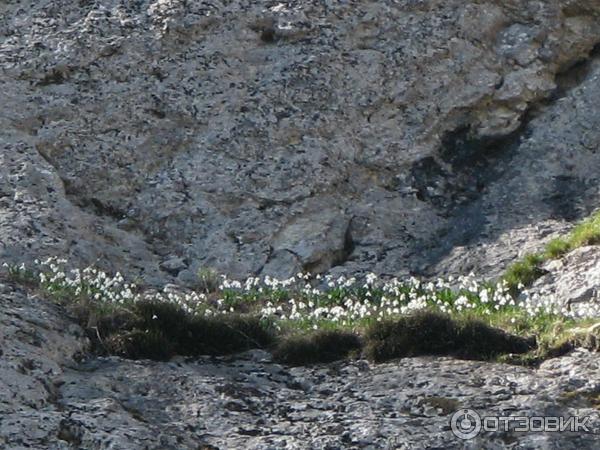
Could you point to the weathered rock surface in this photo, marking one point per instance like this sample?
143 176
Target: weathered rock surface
395 136
159 136
572 279
51 399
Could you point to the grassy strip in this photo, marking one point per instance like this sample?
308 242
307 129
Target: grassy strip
302 326
159 330
526 271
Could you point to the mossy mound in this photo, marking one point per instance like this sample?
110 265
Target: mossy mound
318 347
159 330
433 333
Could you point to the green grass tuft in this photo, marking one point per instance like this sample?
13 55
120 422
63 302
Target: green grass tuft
433 333
227 334
557 248
524 272
527 270
586 233
158 330
319 347
141 344
478 340
208 279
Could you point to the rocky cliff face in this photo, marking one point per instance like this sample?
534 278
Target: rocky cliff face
164 136
266 138
49 401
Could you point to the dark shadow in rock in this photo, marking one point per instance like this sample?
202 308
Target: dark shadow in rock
542 171
568 197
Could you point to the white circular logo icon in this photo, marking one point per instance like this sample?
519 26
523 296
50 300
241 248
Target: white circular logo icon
465 423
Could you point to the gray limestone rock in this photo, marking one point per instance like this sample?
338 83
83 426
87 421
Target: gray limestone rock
224 132
163 137
52 398
574 278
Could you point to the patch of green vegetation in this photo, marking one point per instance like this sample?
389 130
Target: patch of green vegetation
586 233
587 337
477 339
322 346
208 279
304 324
422 333
557 248
433 333
555 335
526 271
159 330
20 274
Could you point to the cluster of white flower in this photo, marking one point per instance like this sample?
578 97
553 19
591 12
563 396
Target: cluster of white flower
307 299
547 302
96 285
90 282
346 300
14 269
